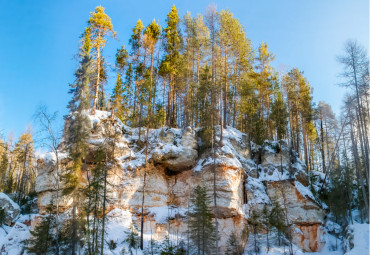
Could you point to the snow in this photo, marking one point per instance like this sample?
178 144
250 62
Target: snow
99 115
306 192
329 248
163 213
13 242
5 197
258 192
120 220
360 240
50 156
276 175
333 227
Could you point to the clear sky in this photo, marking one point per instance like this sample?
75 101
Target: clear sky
39 40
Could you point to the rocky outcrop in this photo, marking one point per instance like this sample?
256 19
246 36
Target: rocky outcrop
10 208
245 178
303 213
178 153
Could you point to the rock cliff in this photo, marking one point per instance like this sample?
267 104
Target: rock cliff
247 178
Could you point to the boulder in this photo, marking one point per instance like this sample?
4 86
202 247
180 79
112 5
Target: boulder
10 208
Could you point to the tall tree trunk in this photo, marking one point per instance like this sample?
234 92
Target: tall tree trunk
96 97
322 145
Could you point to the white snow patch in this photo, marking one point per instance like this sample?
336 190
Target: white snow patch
360 240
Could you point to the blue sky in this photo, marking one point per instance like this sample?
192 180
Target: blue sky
40 39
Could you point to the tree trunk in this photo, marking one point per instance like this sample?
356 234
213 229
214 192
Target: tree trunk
96 97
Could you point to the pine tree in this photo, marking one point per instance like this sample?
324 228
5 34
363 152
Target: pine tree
121 92
151 36
136 42
265 86
100 26
201 228
25 158
171 64
279 116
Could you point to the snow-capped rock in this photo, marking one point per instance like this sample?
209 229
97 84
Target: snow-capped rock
11 209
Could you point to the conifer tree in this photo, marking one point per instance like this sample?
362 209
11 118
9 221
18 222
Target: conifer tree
76 135
151 36
132 238
276 219
254 222
265 84
136 42
43 241
202 230
4 165
100 26
279 116
24 156
121 92
233 246
170 65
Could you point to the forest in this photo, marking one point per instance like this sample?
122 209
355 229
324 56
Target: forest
199 72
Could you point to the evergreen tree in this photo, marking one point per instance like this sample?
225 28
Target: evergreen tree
254 223
151 36
25 158
201 228
276 219
4 165
339 194
42 240
171 64
265 86
170 249
233 246
100 26
76 135
136 42
266 221
279 116
132 238
121 92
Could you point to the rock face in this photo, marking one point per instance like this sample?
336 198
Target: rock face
10 208
303 213
246 178
178 153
